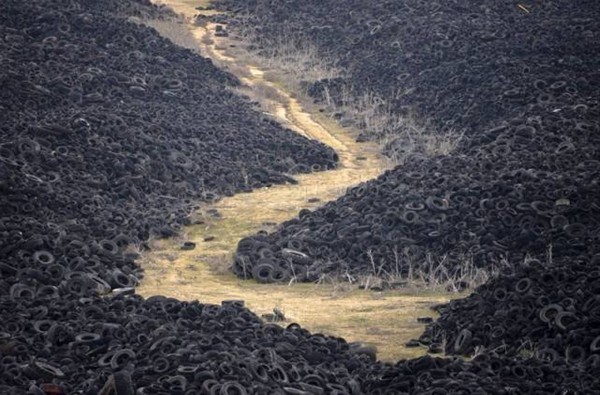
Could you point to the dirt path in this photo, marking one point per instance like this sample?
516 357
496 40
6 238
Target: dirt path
385 319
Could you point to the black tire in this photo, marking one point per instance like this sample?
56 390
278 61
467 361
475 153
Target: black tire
575 354
188 246
232 388
547 354
295 391
279 275
549 312
118 279
295 244
263 272
462 343
410 217
7 270
296 256
434 203
108 247
121 358
46 371
260 372
564 320
21 291
47 292
576 231
523 285
43 257
208 385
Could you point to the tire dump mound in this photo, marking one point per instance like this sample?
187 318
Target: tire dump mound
459 66
110 135
164 346
520 181
521 82
550 309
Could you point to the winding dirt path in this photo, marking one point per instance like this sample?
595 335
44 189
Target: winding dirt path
385 319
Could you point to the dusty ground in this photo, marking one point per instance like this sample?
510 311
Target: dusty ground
384 319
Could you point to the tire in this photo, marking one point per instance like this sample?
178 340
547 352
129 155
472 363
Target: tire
436 204
118 279
232 388
47 292
463 341
45 371
523 285
547 354
549 312
43 257
279 275
263 272
564 320
575 354
7 270
121 358
410 217
21 291
296 256
295 391
108 247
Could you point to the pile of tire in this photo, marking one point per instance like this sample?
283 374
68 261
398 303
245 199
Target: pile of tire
484 374
162 346
88 345
551 309
110 135
460 67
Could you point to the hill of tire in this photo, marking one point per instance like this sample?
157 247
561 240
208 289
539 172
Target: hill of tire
547 309
523 178
458 66
110 134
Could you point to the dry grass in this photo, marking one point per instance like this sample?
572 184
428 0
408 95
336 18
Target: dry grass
175 30
300 63
433 275
301 60
399 136
170 26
